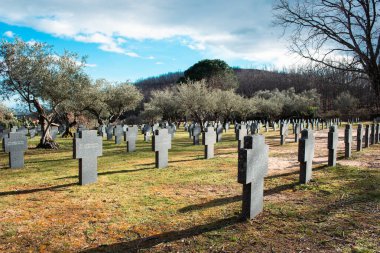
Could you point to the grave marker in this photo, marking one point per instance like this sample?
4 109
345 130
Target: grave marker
130 136
252 167
160 145
196 132
347 140
87 146
118 132
359 138
306 155
15 144
332 144
209 139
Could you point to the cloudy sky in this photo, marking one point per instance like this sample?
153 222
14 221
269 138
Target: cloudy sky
128 40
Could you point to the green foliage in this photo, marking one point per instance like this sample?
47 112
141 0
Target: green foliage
108 101
216 72
287 103
40 77
6 116
345 103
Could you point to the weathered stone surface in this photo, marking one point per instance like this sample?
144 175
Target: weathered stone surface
161 144
130 136
209 139
252 167
87 146
347 140
306 155
15 144
332 145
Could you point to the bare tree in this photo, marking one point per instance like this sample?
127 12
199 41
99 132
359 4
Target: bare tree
343 34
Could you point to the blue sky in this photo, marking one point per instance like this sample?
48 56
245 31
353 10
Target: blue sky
128 40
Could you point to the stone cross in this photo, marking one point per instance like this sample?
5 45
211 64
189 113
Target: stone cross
32 133
102 130
359 138
377 129
306 155
15 144
109 132
209 139
196 131
347 140
226 126
87 146
283 132
118 132
372 136
190 130
219 132
130 136
242 131
297 131
366 136
252 167
53 132
161 144
332 144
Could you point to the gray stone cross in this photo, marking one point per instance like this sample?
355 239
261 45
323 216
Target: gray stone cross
118 132
87 146
359 138
306 155
366 136
15 144
242 131
161 143
130 136
252 167
209 139
283 133
332 144
347 140
109 131
196 132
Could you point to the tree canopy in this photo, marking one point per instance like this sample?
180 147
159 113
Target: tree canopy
216 72
342 34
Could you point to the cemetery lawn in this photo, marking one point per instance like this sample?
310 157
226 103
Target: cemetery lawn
191 206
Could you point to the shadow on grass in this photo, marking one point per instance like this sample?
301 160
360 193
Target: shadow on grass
37 190
109 173
228 200
151 241
295 172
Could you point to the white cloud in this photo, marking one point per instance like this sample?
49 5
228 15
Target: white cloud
9 34
90 65
159 63
217 28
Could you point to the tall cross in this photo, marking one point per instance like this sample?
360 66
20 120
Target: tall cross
332 144
15 144
209 139
87 146
241 132
118 132
130 137
161 143
252 167
306 155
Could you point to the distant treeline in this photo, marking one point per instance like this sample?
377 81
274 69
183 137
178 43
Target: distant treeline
329 83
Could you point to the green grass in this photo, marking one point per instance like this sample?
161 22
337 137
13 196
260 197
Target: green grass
193 205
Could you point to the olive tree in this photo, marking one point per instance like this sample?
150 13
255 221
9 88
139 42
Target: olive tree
41 78
109 101
165 103
346 104
196 100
